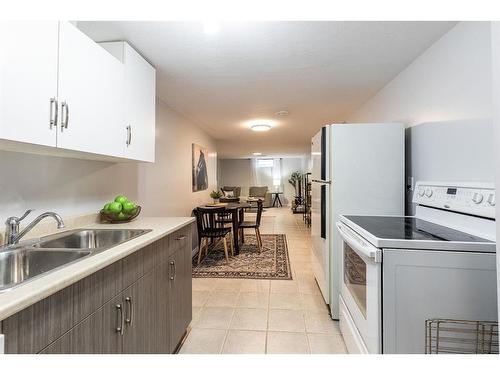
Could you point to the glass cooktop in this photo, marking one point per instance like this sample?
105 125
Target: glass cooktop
410 228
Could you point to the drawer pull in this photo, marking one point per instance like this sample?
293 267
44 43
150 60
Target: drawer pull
128 320
180 238
172 266
119 310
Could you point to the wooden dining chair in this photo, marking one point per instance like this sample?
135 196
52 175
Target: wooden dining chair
226 220
208 229
254 224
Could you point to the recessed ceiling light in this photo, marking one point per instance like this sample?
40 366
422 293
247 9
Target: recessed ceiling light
261 127
257 153
282 113
211 27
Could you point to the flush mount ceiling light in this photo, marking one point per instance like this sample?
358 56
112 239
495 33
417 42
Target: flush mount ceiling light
257 153
261 127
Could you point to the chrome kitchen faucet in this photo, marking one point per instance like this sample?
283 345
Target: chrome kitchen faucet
12 234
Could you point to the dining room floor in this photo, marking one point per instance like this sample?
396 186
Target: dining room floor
245 316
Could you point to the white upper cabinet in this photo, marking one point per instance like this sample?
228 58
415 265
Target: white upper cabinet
139 101
91 96
28 81
59 88
140 96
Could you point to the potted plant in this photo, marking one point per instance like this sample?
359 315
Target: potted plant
216 195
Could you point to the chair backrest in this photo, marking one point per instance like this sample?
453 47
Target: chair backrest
235 189
260 208
205 218
258 191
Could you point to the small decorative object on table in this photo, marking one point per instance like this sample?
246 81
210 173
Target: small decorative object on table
121 210
216 195
219 204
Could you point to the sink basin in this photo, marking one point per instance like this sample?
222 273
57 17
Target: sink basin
22 262
89 238
19 265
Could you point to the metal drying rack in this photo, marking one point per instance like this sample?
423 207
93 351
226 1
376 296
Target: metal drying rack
453 336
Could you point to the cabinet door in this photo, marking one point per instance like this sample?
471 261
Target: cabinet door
180 295
91 85
28 81
146 317
140 105
97 334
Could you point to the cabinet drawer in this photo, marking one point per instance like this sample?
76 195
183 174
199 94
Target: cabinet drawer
180 240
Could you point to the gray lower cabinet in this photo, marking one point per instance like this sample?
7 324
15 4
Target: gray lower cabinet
147 302
95 334
180 291
140 304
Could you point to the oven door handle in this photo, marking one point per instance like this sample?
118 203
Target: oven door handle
358 244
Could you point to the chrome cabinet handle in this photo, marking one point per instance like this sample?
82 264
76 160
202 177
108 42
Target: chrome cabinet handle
119 310
53 112
128 320
129 135
172 266
180 238
65 110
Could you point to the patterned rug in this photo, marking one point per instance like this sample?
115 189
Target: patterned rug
272 263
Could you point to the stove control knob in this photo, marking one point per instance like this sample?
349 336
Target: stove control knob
491 199
477 198
428 193
421 191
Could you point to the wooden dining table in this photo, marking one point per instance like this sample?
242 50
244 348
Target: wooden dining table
237 211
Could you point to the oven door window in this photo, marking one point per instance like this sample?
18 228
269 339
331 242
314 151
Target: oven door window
355 277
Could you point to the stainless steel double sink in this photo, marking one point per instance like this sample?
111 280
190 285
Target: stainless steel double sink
25 261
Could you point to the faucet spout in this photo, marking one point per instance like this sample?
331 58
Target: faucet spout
13 235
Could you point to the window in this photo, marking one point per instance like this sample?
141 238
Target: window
265 163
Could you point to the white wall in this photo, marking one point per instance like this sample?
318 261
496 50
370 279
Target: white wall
235 172
73 187
450 81
165 187
444 96
67 186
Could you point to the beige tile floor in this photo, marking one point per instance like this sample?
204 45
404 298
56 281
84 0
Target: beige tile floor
238 316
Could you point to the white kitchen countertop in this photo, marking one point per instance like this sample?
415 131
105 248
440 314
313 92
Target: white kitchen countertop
30 292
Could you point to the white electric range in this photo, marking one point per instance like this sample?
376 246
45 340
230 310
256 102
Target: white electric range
399 271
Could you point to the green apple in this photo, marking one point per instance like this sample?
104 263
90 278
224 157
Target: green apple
121 199
115 207
122 216
129 207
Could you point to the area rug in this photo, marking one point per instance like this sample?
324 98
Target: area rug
272 263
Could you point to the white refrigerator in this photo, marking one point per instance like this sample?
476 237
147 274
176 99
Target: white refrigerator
356 169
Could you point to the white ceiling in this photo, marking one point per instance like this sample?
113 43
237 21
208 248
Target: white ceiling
318 71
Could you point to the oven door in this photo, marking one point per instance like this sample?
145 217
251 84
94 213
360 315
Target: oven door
361 286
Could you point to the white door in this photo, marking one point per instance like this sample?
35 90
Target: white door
140 105
91 96
28 81
319 226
